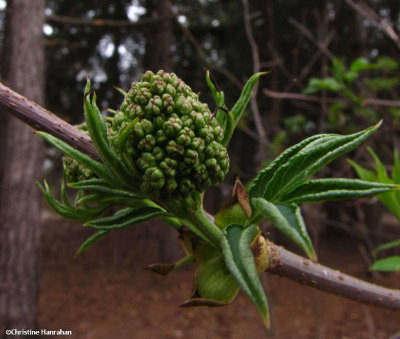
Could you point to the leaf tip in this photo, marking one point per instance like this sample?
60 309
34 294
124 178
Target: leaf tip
380 122
266 320
264 73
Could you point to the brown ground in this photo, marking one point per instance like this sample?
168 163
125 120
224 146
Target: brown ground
107 293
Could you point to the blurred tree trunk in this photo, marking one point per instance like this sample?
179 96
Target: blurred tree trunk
158 37
20 197
3 70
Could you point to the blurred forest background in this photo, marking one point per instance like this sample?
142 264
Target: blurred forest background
334 68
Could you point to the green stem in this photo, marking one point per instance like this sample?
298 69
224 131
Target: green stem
174 222
184 261
205 226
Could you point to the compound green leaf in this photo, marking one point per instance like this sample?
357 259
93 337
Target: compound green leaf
259 184
335 189
311 159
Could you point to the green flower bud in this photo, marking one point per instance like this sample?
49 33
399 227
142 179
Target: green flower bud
73 169
154 177
158 85
174 149
182 105
161 137
148 76
168 103
158 153
147 126
168 166
155 105
191 157
138 130
170 90
175 144
147 143
172 127
146 160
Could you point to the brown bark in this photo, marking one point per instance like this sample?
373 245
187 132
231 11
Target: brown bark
306 272
20 198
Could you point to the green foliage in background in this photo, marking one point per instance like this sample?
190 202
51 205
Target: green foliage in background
390 199
352 85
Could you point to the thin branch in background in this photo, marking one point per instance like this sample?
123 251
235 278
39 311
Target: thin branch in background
308 67
370 322
395 336
200 51
260 156
382 24
65 20
368 262
282 262
303 29
321 17
316 99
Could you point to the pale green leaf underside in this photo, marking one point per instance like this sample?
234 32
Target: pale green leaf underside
287 218
235 243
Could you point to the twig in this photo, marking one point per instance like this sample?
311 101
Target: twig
395 336
283 262
370 322
297 268
43 120
368 262
65 20
316 99
256 68
308 67
303 29
199 49
383 24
